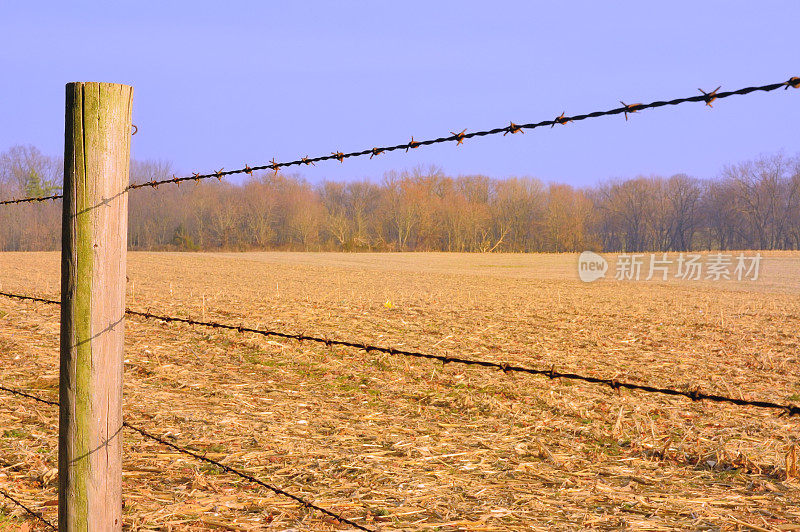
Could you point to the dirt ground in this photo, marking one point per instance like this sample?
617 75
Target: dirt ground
407 444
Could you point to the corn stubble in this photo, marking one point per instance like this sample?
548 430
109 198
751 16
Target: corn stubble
405 444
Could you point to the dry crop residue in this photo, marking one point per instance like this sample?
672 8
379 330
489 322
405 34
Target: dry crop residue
406 444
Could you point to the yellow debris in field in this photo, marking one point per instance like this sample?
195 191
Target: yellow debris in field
791 463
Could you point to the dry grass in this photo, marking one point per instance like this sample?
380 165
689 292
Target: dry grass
409 444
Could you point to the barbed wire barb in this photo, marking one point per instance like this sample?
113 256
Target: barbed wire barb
559 120
710 96
459 137
632 108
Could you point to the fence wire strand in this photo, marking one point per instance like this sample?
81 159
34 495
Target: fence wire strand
202 458
30 511
458 138
247 477
552 373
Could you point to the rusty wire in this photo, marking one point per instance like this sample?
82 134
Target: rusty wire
705 97
552 373
202 458
30 298
33 513
31 199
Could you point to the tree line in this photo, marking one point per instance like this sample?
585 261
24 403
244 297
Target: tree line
750 205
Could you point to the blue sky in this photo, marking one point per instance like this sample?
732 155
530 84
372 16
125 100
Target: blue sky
221 84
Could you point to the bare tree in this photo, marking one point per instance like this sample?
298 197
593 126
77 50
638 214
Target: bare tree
683 194
26 171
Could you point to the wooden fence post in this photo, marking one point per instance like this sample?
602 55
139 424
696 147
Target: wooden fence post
94 242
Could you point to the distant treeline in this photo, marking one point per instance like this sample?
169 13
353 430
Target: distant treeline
750 205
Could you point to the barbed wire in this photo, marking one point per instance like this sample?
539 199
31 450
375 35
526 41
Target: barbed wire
33 513
694 395
35 299
458 138
32 199
552 373
203 458
29 396
247 477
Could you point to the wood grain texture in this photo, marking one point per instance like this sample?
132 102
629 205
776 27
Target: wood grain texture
94 238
